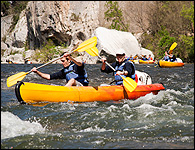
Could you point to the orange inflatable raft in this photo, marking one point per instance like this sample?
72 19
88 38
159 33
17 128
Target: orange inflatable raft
35 93
168 64
146 62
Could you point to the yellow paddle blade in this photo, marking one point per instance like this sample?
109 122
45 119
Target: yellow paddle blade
129 84
172 47
92 42
14 78
92 51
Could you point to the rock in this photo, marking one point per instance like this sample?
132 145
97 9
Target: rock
3 46
111 40
66 22
5 25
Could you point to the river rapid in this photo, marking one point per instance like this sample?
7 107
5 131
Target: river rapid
162 121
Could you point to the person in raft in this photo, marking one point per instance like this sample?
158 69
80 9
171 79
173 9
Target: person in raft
122 66
73 71
130 58
144 58
150 57
172 58
166 57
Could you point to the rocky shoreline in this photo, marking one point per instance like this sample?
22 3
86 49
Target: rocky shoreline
67 22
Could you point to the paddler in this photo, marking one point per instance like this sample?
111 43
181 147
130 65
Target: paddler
144 58
122 66
73 71
172 58
150 57
166 57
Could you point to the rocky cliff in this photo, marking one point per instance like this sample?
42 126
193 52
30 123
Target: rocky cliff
67 22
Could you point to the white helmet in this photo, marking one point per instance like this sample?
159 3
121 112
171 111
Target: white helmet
121 51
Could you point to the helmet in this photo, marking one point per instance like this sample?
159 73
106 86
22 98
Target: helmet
120 51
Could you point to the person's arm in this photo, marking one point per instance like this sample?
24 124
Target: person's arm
43 75
128 69
125 72
103 64
78 63
105 68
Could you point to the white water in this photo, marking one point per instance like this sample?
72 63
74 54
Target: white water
12 126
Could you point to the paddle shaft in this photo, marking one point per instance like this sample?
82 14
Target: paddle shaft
128 83
46 64
109 65
50 62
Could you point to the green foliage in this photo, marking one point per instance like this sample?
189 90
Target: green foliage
114 14
165 41
5 5
170 22
47 53
14 8
187 45
18 6
188 13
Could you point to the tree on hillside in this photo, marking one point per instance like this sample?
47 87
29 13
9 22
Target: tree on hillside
171 21
5 6
114 14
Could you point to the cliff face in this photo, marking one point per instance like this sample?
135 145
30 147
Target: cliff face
67 22
59 21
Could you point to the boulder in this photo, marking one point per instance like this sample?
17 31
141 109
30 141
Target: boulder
111 40
5 25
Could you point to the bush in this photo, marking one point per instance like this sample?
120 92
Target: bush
47 53
114 14
171 21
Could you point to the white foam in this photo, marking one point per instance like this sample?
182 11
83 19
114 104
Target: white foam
12 126
94 129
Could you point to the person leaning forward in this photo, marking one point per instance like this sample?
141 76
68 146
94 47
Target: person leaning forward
166 57
122 66
73 71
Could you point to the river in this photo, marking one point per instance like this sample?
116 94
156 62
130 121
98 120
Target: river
162 121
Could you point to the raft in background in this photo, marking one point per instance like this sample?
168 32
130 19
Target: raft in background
139 61
146 61
168 64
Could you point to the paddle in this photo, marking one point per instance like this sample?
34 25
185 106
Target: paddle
82 47
170 51
172 47
128 83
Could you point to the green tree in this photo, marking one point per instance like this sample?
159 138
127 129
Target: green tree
188 13
186 49
187 40
114 14
5 5
165 42
47 53
171 21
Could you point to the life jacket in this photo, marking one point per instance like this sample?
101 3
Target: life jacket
143 58
118 78
173 58
166 58
130 58
72 72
